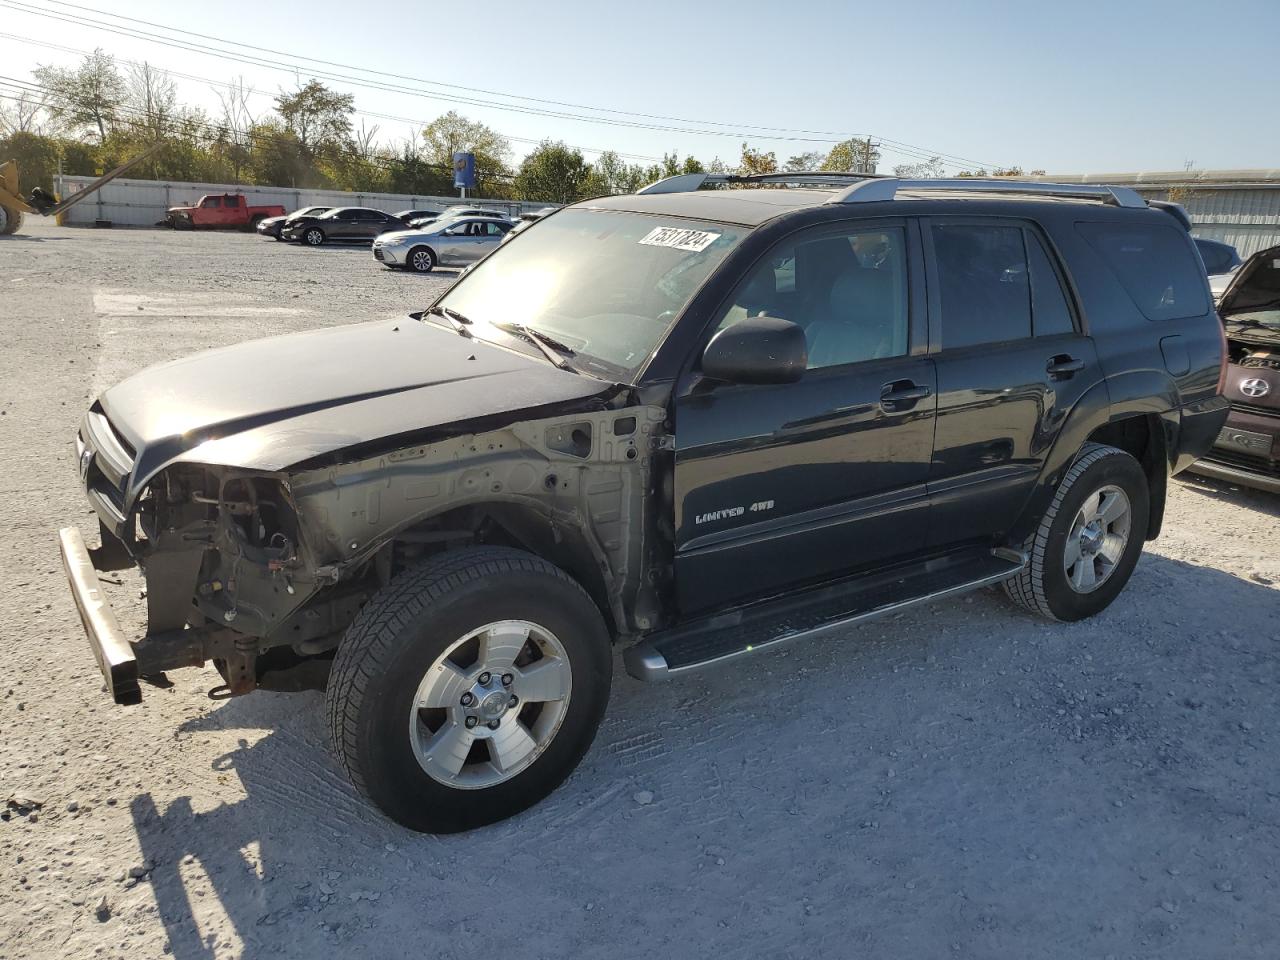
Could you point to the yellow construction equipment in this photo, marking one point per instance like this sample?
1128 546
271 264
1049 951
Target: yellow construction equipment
13 206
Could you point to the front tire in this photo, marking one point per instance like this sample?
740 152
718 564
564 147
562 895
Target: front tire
313 237
10 221
1089 540
420 260
488 667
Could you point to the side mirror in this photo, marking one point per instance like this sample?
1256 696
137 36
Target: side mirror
757 350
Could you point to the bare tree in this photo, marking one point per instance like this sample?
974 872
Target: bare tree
364 142
238 121
152 99
23 114
86 98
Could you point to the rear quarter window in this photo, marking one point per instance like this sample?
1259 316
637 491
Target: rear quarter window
1154 264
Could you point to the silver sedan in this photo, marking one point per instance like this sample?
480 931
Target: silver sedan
457 242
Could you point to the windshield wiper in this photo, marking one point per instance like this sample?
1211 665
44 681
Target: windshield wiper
553 349
456 320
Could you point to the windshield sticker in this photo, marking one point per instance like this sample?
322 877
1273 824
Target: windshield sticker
693 240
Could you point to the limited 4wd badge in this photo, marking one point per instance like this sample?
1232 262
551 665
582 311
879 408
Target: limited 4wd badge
693 240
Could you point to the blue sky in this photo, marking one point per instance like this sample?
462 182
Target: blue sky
1082 87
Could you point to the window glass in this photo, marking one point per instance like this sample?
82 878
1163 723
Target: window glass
982 284
1217 257
848 291
210 202
346 214
606 283
1155 266
1050 311
231 202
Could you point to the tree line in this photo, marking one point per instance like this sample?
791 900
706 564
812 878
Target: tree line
87 119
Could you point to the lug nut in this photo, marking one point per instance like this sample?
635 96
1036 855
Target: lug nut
494 724
507 679
513 701
468 699
471 722
484 679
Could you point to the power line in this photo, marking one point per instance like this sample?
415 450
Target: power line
900 147
264 93
736 127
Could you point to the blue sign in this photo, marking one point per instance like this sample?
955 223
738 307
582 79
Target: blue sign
464 170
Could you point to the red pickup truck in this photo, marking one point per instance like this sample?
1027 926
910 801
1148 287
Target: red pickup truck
221 210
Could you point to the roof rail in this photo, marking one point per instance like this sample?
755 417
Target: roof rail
871 190
688 182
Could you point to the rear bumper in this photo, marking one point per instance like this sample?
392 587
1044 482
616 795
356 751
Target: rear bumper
113 652
1199 426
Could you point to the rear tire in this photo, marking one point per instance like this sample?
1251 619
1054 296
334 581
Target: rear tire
1089 539
388 721
313 237
10 220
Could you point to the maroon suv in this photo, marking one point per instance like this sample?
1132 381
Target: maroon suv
1247 450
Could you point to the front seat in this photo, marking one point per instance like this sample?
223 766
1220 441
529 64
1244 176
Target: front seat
859 321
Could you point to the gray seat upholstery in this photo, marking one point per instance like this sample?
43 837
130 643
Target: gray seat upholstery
860 322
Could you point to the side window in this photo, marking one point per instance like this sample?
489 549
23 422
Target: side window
1050 311
233 202
982 284
1154 264
212 203
847 290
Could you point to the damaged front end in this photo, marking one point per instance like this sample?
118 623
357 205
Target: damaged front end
227 573
262 571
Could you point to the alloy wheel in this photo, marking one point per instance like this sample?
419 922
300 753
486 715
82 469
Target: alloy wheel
490 704
1098 536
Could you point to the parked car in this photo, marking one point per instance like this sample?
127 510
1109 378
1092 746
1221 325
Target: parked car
450 243
341 225
452 213
526 220
1221 260
408 216
223 210
1247 450
272 226
700 423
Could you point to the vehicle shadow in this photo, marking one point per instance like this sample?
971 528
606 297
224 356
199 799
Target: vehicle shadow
684 796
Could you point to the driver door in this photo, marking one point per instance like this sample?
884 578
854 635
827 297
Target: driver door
781 485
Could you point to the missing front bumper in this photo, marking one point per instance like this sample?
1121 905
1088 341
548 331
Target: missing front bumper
113 652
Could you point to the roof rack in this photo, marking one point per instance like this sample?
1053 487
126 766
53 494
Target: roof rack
688 182
870 191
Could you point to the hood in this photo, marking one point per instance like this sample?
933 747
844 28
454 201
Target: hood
269 404
1255 285
272 221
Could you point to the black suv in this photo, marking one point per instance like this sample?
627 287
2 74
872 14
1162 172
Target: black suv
700 422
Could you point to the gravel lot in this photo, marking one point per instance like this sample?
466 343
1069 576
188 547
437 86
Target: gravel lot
962 780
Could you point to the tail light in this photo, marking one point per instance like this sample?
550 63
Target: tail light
1222 370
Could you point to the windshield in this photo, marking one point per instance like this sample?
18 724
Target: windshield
606 285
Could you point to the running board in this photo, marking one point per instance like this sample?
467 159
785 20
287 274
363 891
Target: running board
769 625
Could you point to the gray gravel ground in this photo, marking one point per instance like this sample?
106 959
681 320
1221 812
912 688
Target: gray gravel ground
960 781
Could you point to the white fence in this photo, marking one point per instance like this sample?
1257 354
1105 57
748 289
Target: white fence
144 202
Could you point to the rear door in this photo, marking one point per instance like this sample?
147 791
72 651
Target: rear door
779 485
1012 360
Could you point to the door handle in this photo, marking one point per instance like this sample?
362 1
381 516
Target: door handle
902 395
1063 367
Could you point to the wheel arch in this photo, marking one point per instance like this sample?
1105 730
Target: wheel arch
525 525
1135 412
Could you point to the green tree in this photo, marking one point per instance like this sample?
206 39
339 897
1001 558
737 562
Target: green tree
318 118
452 132
802 162
90 97
755 162
553 173
853 156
